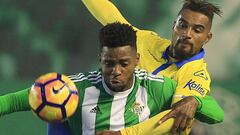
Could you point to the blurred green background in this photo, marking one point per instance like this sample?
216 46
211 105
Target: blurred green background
37 37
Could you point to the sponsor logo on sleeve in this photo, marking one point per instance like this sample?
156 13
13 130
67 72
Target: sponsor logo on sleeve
192 85
202 74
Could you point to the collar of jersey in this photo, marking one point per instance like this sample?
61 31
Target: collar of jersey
179 64
120 94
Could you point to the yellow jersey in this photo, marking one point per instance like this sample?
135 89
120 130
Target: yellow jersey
191 74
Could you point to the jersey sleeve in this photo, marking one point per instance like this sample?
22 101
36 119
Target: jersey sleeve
192 80
14 102
162 91
104 11
209 111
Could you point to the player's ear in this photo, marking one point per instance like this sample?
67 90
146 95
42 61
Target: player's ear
209 37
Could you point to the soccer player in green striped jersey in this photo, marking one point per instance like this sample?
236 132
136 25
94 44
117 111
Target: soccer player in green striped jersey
118 95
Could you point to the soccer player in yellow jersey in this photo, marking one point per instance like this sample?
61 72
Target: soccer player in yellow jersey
181 58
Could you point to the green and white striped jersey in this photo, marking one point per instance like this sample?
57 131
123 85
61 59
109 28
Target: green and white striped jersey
100 108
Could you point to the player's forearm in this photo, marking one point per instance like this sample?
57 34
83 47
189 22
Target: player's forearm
209 110
14 102
151 126
104 11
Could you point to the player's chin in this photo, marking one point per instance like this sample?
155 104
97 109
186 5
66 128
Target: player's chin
183 55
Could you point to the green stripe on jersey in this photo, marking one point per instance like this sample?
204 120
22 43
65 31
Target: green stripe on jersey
130 117
104 110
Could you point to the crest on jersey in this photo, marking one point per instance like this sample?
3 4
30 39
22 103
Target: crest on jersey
137 108
202 74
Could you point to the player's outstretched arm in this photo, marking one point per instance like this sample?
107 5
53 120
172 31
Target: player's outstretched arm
14 102
104 11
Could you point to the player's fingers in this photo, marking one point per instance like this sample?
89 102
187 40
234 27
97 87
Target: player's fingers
176 124
183 124
166 117
189 122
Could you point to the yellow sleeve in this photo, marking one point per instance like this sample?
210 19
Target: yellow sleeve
104 11
151 127
193 80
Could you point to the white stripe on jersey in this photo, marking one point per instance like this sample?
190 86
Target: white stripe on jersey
142 99
76 75
155 79
94 77
151 77
89 102
117 121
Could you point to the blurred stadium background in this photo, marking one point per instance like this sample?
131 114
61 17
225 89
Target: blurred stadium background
37 37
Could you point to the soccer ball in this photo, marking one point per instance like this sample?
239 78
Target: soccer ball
53 97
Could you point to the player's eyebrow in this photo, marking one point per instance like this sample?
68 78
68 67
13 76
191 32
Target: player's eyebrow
195 25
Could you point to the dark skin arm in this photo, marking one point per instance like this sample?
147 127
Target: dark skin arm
183 112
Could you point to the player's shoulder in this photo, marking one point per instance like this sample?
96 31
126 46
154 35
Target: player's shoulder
92 76
143 75
155 84
152 42
195 70
194 66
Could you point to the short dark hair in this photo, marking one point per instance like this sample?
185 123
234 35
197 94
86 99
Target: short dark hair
117 34
203 7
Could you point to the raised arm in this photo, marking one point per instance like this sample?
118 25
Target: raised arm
104 11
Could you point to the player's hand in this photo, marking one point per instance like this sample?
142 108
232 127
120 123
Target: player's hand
183 112
107 132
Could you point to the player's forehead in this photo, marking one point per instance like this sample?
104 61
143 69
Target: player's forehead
122 52
193 18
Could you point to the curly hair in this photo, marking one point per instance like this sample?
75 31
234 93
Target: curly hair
203 7
117 34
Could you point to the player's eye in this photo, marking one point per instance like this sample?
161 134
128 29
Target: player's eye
198 30
125 64
109 63
182 25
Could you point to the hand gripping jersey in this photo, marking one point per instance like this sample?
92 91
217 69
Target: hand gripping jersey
102 109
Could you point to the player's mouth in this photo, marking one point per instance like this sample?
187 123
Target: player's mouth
114 81
185 44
